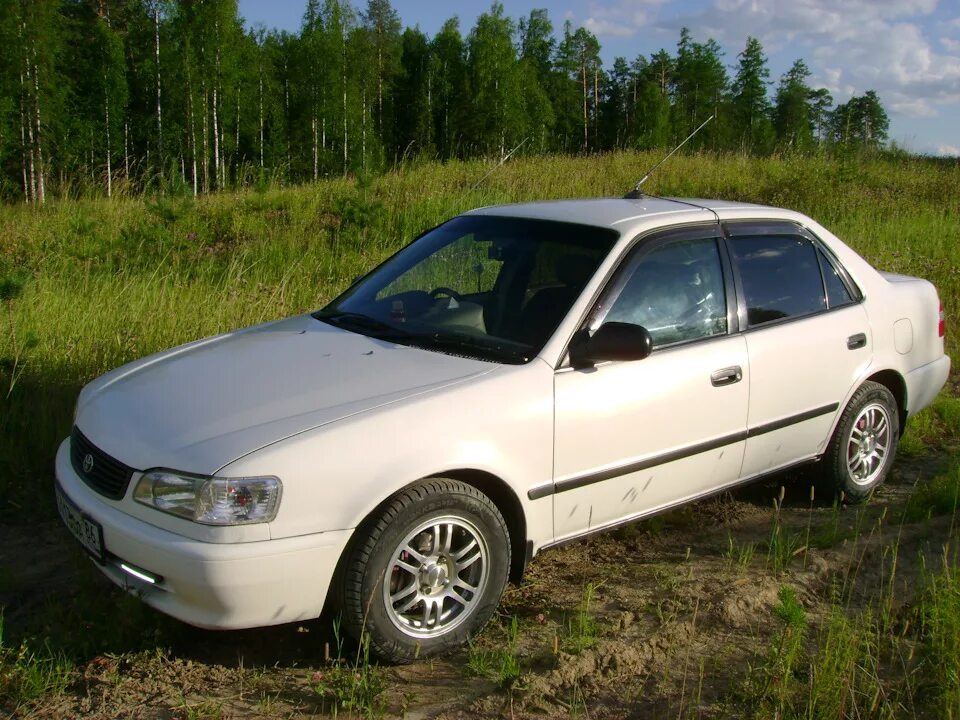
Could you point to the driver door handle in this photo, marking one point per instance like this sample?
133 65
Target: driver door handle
726 376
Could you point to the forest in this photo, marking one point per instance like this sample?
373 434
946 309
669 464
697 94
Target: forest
181 96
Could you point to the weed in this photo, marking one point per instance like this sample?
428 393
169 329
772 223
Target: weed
771 683
941 496
739 554
204 710
782 546
932 426
582 627
28 674
355 687
500 664
940 616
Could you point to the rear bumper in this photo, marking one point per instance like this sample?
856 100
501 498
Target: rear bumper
925 382
210 585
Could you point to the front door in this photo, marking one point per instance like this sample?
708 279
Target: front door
633 437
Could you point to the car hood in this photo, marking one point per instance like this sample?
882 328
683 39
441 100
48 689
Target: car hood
198 407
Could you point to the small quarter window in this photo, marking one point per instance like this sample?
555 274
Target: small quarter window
837 293
676 292
780 275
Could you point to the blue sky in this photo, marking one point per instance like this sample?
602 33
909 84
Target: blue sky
906 50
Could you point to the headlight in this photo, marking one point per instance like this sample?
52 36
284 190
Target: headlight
211 501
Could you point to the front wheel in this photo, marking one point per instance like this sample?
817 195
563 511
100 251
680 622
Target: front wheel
427 573
864 445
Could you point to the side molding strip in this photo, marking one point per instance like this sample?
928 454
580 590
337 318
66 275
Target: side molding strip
573 483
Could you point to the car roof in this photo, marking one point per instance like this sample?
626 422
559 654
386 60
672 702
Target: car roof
610 212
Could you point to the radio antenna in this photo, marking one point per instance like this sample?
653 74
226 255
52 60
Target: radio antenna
636 193
502 161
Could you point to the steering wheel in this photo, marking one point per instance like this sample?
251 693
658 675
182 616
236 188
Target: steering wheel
449 292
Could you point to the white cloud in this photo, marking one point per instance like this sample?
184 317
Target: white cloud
948 150
890 46
622 18
608 28
851 46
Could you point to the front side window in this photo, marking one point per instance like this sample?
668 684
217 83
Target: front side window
780 275
676 292
495 288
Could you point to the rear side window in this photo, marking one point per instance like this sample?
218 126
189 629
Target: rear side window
837 293
780 276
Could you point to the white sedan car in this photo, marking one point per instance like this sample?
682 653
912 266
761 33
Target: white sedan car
515 378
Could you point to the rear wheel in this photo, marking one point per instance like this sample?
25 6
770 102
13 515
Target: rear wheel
427 573
864 445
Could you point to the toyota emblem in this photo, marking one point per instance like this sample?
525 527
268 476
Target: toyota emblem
87 463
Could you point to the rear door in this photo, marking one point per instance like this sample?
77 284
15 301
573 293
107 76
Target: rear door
807 337
633 437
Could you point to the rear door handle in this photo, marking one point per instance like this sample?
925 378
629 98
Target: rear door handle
855 342
726 376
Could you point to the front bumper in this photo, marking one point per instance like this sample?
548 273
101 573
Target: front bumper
207 584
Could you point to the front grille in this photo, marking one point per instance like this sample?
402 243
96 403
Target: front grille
107 476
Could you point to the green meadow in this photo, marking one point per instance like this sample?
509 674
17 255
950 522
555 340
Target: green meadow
89 284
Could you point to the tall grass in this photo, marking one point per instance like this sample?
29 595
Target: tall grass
27 674
86 285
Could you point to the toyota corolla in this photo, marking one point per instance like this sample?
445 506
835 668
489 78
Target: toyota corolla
515 378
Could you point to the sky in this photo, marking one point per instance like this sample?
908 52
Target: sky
906 50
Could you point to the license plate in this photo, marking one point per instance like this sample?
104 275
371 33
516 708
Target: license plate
86 530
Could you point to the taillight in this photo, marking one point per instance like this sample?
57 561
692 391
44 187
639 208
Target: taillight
942 327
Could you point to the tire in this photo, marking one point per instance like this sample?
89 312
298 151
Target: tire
864 445
426 573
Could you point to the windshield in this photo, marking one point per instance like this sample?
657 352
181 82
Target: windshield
495 288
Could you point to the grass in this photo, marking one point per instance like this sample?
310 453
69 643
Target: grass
583 628
28 674
941 496
88 285
931 427
939 614
739 553
783 545
354 686
499 662
868 654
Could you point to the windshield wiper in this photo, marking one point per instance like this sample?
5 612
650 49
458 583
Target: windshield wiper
466 345
359 321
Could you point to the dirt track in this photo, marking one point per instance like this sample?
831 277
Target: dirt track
680 609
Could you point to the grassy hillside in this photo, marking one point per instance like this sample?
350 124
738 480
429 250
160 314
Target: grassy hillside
729 608
89 285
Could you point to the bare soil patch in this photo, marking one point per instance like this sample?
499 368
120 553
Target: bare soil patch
660 618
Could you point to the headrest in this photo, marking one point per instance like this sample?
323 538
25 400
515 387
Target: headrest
575 270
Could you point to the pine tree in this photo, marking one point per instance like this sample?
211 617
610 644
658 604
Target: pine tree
537 43
699 90
449 73
383 27
861 121
578 56
820 103
108 51
497 120
537 46
793 114
750 104
414 119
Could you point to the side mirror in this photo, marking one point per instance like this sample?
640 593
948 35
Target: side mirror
611 341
